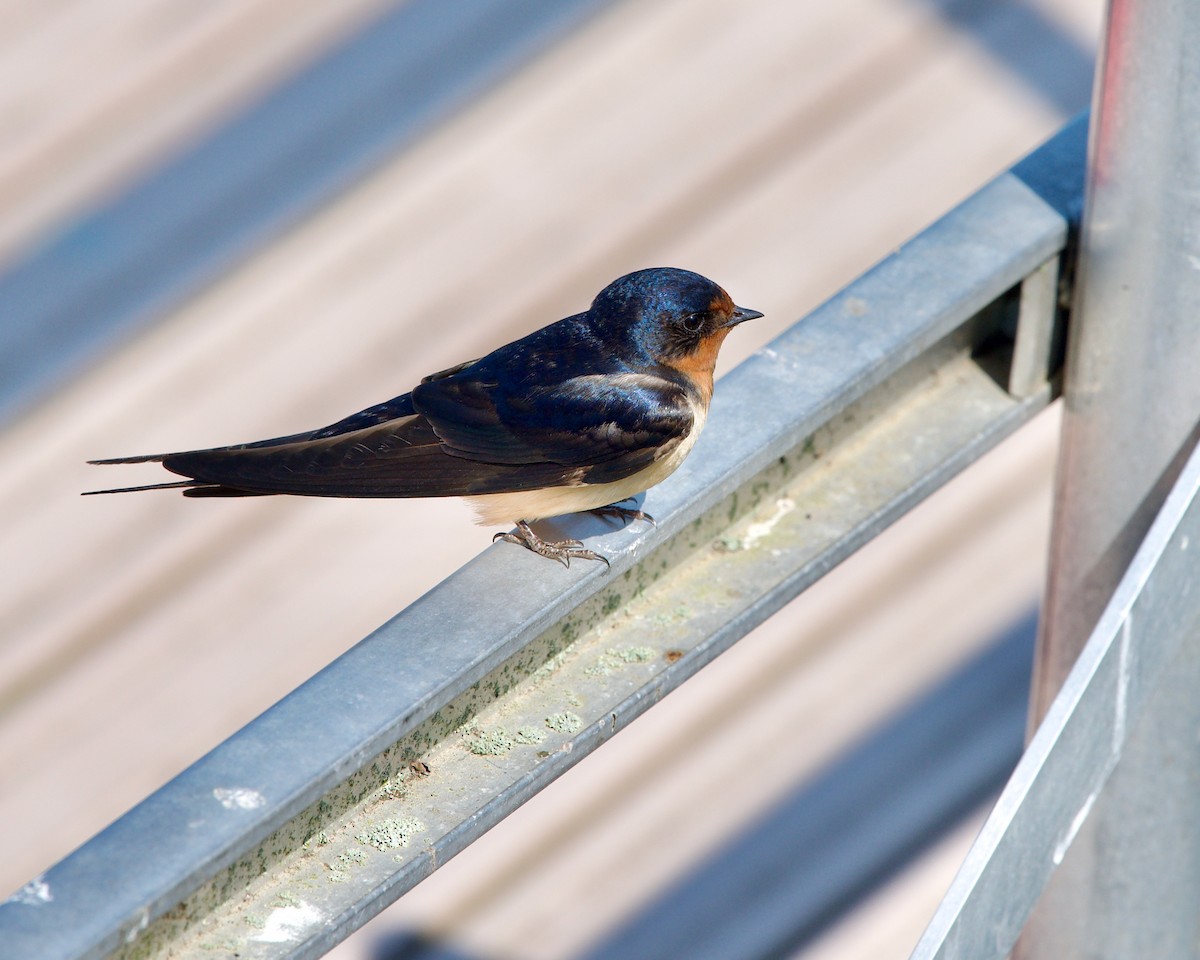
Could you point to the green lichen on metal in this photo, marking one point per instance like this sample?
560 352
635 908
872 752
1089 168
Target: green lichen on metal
547 669
529 735
142 948
488 743
564 722
390 833
392 790
613 660
633 654
759 490
569 630
227 945
673 617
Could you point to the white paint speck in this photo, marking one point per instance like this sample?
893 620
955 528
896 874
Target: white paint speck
239 798
855 306
286 924
1063 845
34 893
785 360
1194 261
142 922
756 531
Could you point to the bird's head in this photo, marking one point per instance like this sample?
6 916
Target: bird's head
675 317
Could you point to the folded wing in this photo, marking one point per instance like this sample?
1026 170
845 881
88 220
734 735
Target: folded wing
458 434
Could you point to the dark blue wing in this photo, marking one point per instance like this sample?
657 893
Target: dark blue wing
614 424
551 409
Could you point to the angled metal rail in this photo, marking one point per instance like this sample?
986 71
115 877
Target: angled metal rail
1146 648
335 801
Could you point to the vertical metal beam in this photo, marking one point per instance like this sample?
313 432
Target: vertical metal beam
1132 400
1131 394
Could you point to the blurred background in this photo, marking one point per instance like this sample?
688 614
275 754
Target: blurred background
243 218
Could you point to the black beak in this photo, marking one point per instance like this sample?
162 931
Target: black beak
741 314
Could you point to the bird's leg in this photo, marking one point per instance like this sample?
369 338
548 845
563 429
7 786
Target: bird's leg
623 513
561 550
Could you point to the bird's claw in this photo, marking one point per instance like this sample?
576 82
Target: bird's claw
623 513
564 551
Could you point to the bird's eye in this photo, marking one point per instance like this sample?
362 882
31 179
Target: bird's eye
693 322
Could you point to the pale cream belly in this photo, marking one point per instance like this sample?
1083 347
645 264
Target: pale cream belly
493 508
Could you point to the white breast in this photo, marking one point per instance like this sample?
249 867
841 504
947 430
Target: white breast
494 508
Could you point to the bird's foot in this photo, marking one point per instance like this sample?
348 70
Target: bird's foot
564 551
623 513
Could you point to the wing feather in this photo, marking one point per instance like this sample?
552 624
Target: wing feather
518 419
581 433
624 420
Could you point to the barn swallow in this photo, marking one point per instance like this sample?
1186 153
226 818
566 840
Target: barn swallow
578 416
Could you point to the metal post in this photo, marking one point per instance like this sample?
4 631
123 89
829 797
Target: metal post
1132 397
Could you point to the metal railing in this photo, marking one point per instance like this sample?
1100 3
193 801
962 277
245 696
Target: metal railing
319 813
